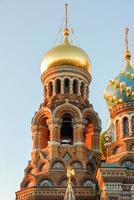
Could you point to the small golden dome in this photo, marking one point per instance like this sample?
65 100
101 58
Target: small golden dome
66 54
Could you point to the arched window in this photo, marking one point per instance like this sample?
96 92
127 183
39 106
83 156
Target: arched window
50 89
88 183
75 86
58 86
66 129
132 125
117 124
76 165
58 165
125 126
128 164
82 89
66 85
45 183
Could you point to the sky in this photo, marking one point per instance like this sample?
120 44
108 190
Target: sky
28 29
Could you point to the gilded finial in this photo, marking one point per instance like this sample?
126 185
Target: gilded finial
69 194
66 30
70 173
127 52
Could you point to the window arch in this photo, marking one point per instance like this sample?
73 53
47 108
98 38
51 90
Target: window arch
58 86
132 124
88 183
67 129
76 165
66 85
128 163
125 126
46 183
50 89
75 86
57 165
82 89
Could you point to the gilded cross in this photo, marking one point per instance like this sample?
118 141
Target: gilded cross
66 7
70 173
126 37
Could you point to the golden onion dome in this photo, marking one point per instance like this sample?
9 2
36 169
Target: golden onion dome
66 54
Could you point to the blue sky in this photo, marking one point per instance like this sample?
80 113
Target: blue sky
28 29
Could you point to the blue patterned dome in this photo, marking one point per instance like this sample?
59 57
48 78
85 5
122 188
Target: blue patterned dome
121 88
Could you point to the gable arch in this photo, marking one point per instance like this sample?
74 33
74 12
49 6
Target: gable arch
93 116
41 115
46 177
67 108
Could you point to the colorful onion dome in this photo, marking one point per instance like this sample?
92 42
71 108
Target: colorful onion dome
121 88
66 54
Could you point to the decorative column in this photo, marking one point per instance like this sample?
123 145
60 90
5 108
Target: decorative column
96 138
79 131
130 126
74 133
54 88
53 127
71 87
39 136
62 86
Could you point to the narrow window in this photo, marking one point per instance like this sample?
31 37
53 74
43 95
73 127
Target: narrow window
82 88
66 85
67 129
75 87
58 86
125 126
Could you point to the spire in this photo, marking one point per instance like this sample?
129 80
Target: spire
127 52
66 30
69 195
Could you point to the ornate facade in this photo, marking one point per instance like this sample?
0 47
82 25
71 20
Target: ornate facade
66 132
116 174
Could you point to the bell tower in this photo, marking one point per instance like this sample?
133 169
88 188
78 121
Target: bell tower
65 129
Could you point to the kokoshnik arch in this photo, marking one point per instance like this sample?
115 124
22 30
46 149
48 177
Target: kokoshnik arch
66 132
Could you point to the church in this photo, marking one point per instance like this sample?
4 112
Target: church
71 159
